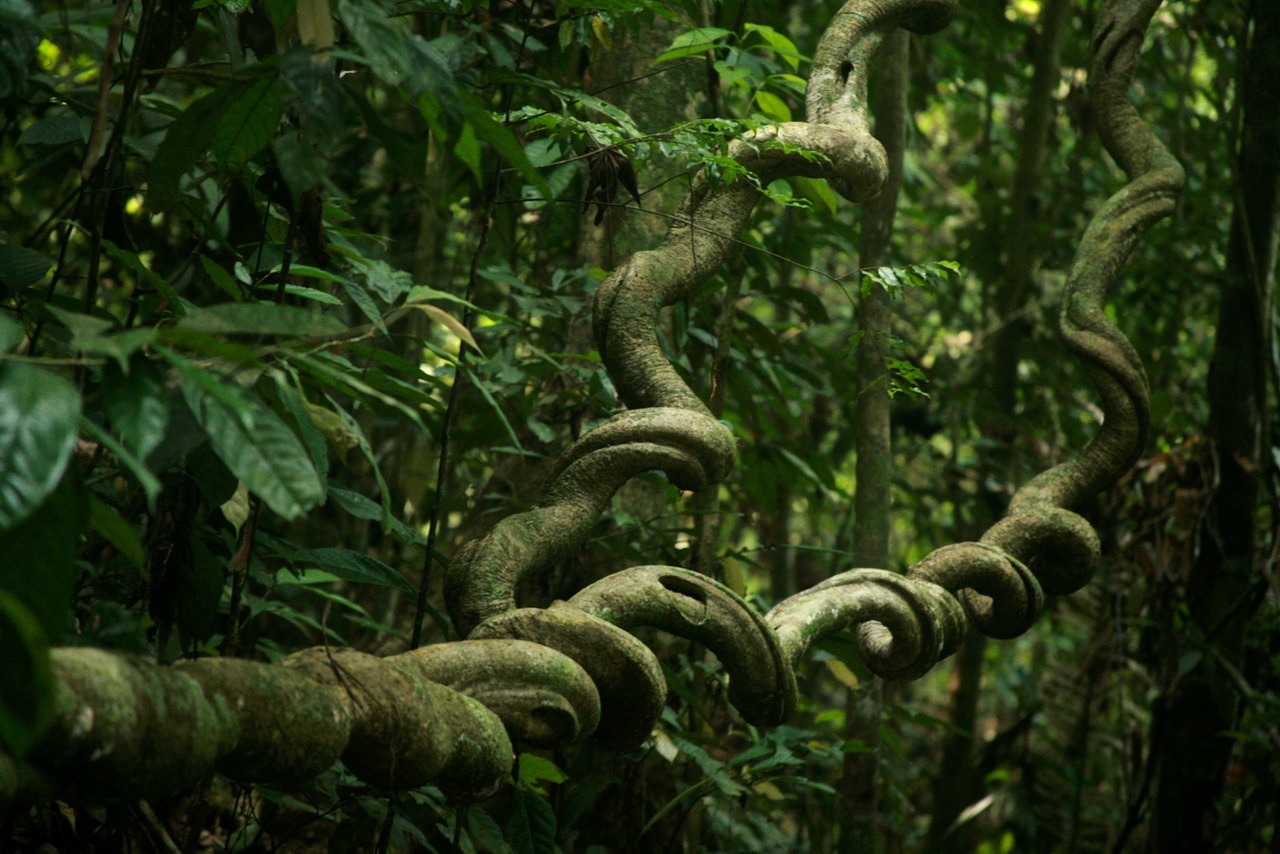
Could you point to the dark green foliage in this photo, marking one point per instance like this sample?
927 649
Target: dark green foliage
231 332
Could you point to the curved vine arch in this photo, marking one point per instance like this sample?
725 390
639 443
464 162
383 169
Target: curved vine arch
446 715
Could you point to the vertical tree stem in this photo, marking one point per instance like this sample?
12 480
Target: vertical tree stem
874 471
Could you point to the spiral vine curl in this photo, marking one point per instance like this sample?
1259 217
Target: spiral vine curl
907 623
446 714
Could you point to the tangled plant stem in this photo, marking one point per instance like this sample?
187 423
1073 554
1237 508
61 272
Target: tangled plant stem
554 675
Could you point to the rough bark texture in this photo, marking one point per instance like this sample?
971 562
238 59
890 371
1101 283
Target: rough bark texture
874 472
445 715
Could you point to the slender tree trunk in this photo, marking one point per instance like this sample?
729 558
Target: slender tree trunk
958 784
863 707
1223 592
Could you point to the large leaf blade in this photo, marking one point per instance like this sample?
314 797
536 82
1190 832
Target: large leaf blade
254 443
39 412
352 566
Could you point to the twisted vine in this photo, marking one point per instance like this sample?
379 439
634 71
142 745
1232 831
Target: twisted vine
906 623
445 715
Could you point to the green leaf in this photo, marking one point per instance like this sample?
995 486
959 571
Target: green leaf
488 396
146 275
773 106
503 141
302 162
397 55
387 282
184 143
90 334
150 485
353 428
258 318
693 43
11 333
20 267
137 403
26 679
485 831
57 128
780 44
297 407
352 566
355 503
38 556
113 528
39 412
250 118
220 277
534 770
449 322
532 826
19 37
254 443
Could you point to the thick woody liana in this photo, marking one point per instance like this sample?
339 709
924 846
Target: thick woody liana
446 715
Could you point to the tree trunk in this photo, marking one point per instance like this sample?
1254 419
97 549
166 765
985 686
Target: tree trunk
863 706
1189 745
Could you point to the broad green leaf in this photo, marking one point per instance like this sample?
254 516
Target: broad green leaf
362 441
248 121
38 556
780 44
531 829
26 679
503 141
137 403
11 333
365 303
484 830
258 318
387 282
299 410
693 43
220 277
341 375
497 409
146 275
535 770
256 446
355 503
302 162
39 412
819 190
773 106
187 139
352 566
150 485
397 55
97 335
237 508
20 267
312 294
113 528
59 128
